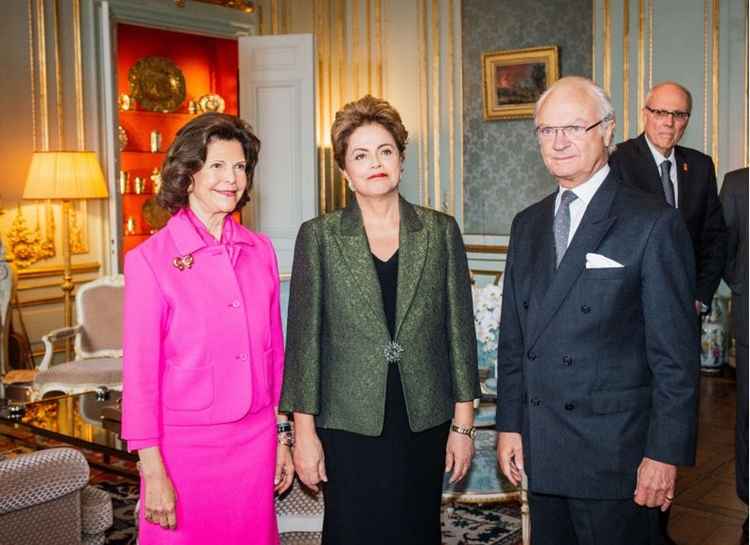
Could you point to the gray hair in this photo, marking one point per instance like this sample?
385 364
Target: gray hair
603 102
671 84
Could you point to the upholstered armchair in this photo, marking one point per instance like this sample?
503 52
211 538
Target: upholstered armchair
97 340
44 499
300 516
6 295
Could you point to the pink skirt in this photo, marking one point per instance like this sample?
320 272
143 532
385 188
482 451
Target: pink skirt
223 480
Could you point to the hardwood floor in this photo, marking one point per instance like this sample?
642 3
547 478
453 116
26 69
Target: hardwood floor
706 508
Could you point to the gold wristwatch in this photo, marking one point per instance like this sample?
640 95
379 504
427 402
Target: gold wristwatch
464 430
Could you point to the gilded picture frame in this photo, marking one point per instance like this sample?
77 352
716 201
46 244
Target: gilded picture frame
514 79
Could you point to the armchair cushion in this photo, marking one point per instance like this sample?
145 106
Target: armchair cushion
82 375
96 511
40 477
299 511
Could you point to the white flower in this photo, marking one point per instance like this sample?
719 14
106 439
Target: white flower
487 309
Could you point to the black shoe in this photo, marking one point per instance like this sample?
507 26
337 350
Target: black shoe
743 541
668 540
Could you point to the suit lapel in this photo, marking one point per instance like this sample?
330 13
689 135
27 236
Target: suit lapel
594 225
649 171
413 247
355 249
542 265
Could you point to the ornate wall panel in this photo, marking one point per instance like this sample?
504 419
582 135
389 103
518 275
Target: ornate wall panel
699 43
406 52
52 100
503 172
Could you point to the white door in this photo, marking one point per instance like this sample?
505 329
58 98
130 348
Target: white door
277 98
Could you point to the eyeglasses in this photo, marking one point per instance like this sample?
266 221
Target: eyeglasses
573 132
663 114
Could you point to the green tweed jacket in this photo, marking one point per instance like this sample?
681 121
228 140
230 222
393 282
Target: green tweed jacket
335 365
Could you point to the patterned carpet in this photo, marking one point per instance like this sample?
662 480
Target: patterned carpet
462 524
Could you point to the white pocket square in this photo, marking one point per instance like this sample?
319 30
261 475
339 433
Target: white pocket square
598 261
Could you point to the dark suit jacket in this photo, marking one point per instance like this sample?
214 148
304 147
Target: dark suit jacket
598 367
734 198
697 199
335 366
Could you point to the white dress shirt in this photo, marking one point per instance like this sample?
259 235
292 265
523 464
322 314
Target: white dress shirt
659 158
585 192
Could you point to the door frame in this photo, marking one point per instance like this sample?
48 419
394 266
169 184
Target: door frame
100 20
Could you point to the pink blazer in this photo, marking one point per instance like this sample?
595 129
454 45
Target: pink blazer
202 345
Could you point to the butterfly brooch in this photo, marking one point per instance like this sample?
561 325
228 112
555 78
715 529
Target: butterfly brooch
182 263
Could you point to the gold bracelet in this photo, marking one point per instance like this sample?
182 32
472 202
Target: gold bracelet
286 438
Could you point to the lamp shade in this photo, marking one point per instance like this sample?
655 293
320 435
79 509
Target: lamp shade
65 175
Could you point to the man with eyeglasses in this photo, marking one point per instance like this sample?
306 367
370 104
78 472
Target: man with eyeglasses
597 368
683 177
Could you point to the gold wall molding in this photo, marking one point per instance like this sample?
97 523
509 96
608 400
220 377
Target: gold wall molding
607 49
379 46
78 67
44 301
640 69
745 128
449 71
650 43
58 75
54 284
356 52
42 58
57 270
594 12
274 16
705 74
424 161
437 203
625 69
32 71
487 248
342 64
349 59
715 83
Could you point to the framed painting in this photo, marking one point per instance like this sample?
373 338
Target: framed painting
515 79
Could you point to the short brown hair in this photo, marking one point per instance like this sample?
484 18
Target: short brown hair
365 111
187 154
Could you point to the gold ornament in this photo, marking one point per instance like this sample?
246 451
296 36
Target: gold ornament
26 246
156 180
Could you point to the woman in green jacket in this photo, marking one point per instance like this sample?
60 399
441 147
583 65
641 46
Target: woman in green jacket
381 350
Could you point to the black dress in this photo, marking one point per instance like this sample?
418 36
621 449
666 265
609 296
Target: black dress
385 490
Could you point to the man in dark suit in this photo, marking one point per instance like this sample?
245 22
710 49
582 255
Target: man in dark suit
598 371
683 177
734 198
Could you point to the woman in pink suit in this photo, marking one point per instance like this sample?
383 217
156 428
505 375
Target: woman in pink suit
203 352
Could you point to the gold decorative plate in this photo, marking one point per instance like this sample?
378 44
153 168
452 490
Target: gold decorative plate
211 103
157 84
